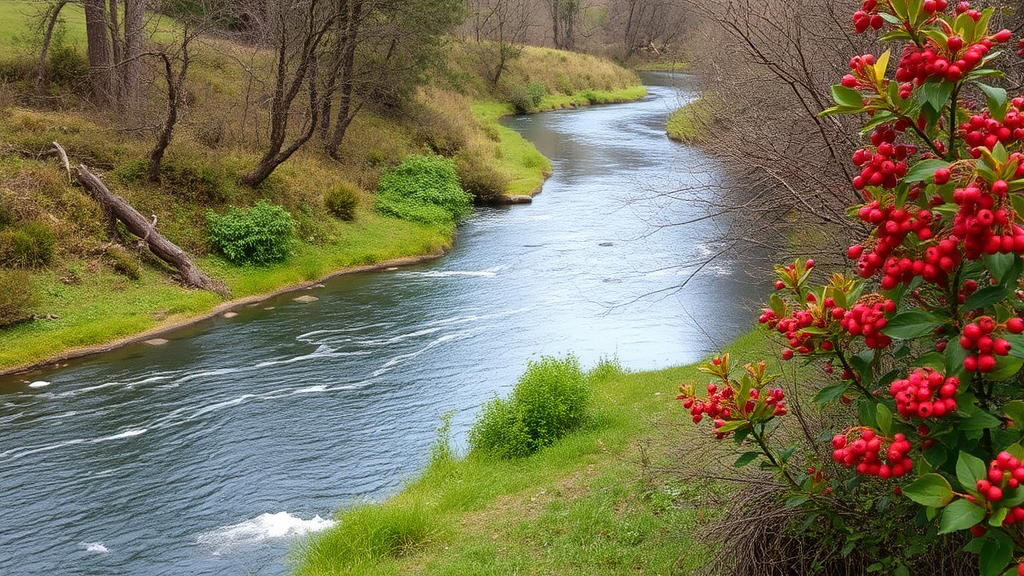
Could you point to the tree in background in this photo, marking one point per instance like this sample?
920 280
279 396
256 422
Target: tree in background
564 16
115 51
500 29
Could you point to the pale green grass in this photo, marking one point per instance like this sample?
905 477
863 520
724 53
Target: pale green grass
601 501
525 166
691 122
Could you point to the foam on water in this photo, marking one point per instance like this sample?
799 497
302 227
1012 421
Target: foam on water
120 435
39 384
94 547
263 527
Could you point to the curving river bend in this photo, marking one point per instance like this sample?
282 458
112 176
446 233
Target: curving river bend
208 454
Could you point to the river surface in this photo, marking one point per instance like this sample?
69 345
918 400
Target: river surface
207 455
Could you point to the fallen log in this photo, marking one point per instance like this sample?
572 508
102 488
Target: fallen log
117 207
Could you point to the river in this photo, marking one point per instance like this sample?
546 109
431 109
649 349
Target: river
208 454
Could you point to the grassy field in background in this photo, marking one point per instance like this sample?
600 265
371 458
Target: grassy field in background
605 500
690 122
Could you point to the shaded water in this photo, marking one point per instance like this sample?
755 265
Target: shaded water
208 454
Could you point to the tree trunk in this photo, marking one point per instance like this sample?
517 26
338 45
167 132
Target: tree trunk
173 100
134 30
100 62
161 247
51 23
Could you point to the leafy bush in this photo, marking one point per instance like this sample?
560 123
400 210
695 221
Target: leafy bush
341 202
67 66
124 263
549 401
30 246
423 189
479 178
537 91
262 234
16 297
519 96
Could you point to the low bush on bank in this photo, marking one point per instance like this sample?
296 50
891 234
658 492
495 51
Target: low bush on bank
30 246
424 189
262 234
16 298
549 401
341 202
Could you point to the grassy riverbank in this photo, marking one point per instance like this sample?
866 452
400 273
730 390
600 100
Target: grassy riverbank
688 123
604 500
87 296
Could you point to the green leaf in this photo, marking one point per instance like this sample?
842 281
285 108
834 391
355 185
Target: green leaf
924 170
997 552
847 97
934 359
1012 496
1015 411
996 100
930 490
831 393
796 500
884 418
866 413
746 458
1002 266
960 515
912 324
936 94
970 469
980 420
986 297
1006 367
731 426
955 355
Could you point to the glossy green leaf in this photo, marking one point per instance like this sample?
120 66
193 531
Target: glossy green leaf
930 490
970 469
960 515
912 324
847 97
746 458
997 552
831 393
883 416
924 170
980 420
986 297
1015 411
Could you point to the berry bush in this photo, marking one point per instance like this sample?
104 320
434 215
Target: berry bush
924 338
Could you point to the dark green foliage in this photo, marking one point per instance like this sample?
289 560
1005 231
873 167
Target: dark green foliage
132 172
124 263
30 246
262 234
423 189
194 180
341 202
67 66
480 179
549 401
16 297
526 97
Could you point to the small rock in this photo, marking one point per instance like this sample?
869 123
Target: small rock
270 307
156 341
305 299
391 268
605 244
230 314
315 286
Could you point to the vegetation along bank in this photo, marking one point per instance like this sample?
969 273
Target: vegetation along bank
264 189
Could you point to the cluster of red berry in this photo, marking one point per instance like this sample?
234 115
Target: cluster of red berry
1005 472
868 17
950 62
977 338
984 220
886 165
863 454
722 405
866 319
981 129
892 225
916 395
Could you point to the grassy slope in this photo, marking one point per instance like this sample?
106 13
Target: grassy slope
603 500
689 122
94 305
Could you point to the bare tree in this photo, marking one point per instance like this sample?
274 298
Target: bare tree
640 24
564 16
175 88
298 41
500 28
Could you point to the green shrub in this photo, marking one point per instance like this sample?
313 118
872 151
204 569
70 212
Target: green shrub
519 96
423 189
16 297
479 178
133 171
366 534
341 202
124 263
549 401
30 246
262 234
67 66
537 92
192 179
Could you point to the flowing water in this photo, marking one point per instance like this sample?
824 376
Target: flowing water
209 454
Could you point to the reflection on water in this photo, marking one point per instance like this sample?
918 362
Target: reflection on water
209 454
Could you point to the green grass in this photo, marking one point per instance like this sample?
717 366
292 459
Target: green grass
602 501
525 166
690 122
680 67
